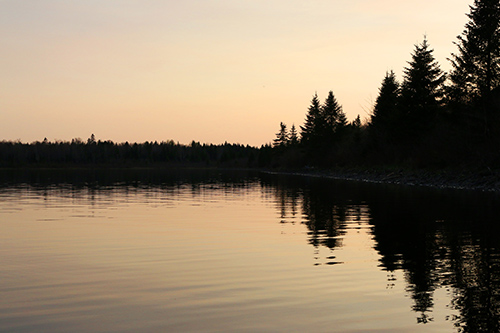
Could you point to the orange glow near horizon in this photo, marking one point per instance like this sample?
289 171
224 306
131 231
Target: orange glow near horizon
210 71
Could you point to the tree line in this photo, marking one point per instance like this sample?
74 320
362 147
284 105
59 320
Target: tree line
430 119
93 152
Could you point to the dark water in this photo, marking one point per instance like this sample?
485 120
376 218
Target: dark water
235 251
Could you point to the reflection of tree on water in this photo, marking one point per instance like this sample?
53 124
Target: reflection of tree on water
405 241
438 239
324 219
476 262
324 210
443 241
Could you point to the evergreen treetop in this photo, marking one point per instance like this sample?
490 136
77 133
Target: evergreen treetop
281 139
385 109
422 92
313 121
356 123
331 112
423 79
476 66
293 138
334 119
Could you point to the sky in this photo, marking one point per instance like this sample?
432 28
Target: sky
205 70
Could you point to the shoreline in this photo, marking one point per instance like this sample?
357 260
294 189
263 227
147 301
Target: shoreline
485 181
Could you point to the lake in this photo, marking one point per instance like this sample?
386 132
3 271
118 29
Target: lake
234 251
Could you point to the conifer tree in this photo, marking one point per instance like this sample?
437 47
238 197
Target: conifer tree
422 89
476 66
355 126
281 137
335 120
386 115
331 110
475 73
356 123
341 122
313 122
293 138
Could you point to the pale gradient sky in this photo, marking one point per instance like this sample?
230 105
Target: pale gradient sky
210 71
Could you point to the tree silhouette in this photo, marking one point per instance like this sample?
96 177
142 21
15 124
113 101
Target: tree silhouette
476 66
356 123
334 118
386 117
293 138
313 123
421 90
281 137
90 140
342 124
476 71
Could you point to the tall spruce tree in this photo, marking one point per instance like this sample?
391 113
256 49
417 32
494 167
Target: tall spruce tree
386 118
293 138
313 123
422 90
342 123
476 66
333 116
475 75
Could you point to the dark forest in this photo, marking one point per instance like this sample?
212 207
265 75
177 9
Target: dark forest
431 119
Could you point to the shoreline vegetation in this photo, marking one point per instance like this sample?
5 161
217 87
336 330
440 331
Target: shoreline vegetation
432 128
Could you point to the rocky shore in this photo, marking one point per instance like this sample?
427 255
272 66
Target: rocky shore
480 180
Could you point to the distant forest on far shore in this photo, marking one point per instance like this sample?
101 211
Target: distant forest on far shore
431 119
97 153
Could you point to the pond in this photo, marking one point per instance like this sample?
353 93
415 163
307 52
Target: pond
235 251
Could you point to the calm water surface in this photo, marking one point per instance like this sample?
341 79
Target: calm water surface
238 252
